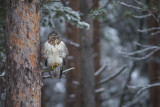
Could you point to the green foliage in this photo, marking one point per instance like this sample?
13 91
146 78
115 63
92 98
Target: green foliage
98 14
101 13
127 14
155 9
61 13
144 7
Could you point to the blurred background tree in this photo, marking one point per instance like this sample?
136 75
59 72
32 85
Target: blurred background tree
128 34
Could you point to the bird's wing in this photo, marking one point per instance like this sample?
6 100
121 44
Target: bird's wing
47 50
43 51
62 50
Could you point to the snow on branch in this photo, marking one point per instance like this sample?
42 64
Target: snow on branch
142 8
149 29
151 51
3 74
155 33
71 16
101 69
99 90
139 51
71 42
107 79
138 2
127 5
144 87
49 69
141 45
142 16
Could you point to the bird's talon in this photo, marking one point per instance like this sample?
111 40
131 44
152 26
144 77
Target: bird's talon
52 67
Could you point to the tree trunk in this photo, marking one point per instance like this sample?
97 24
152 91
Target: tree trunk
2 92
80 83
22 52
96 46
73 96
154 65
87 55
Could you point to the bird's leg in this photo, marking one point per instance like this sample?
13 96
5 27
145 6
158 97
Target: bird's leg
55 65
52 66
50 74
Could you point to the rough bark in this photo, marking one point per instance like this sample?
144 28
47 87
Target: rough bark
154 65
22 52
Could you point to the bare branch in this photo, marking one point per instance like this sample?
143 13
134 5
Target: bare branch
153 15
101 69
155 33
151 49
145 46
127 5
143 57
139 8
69 69
112 76
46 69
139 51
100 90
144 87
138 2
149 29
64 72
142 16
71 43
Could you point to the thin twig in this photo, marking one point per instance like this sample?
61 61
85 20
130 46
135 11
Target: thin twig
138 2
142 16
155 33
100 90
145 46
144 87
69 69
71 43
127 5
101 69
143 57
139 51
139 8
64 72
112 76
149 29
153 15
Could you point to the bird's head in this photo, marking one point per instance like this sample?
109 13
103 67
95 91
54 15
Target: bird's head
53 36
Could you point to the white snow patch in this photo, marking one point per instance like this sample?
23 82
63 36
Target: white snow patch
59 87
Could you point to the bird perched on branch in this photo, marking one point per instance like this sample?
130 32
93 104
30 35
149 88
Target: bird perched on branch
54 51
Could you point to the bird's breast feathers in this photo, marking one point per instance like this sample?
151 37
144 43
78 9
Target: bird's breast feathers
55 53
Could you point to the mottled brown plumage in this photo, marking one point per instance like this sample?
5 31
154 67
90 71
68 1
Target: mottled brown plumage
53 38
55 51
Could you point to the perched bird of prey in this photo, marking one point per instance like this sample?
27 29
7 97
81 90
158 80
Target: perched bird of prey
54 51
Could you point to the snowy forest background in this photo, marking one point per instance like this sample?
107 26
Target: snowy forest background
113 45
